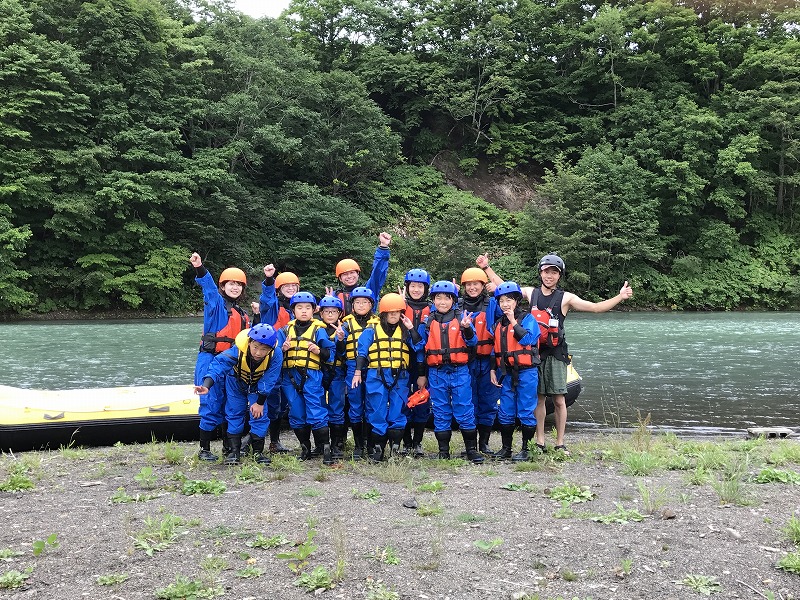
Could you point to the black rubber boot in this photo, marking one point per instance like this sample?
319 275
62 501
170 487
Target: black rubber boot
257 445
338 437
443 437
471 444
322 439
275 445
205 447
395 437
507 436
226 444
233 457
304 437
527 435
484 433
376 446
359 451
419 433
246 443
408 440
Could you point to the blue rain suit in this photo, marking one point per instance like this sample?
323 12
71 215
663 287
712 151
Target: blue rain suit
357 397
215 316
241 395
333 380
274 312
518 396
450 385
380 268
484 393
302 383
422 412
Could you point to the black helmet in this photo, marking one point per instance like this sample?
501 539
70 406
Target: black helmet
552 260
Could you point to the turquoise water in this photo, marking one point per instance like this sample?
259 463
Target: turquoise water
703 371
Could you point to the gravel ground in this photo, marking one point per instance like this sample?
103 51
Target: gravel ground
478 531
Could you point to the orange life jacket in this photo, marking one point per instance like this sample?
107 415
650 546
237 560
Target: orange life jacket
225 337
283 318
509 352
417 315
445 345
484 345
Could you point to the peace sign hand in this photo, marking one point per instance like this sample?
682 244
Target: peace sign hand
328 291
466 320
408 323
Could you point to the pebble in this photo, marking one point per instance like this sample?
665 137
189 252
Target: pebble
733 533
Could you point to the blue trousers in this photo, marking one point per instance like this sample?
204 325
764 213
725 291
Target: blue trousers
520 401
277 404
484 393
212 404
333 380
385 406
306 405
237 408
357 396
451 396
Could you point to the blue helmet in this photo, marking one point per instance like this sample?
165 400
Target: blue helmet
303 297
419 275
331 302
444 287
509 287
363 292
263 333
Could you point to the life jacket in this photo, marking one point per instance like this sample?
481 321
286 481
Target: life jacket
283 318
417 315
550 335
509 352
298 355
338 360
446 344
224 338
388 351
244 373
484 345
355 329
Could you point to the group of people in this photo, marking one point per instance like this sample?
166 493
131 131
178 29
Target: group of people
468 353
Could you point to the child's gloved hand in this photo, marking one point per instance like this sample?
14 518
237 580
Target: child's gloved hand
196 260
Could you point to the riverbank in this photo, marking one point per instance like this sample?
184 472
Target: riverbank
105 315
624 516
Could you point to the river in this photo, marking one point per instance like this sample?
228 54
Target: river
706 372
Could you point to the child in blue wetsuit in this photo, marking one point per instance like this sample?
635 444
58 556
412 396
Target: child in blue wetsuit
348 272
362 300
418 307
333 375
516 337
444 342
306 347
384 351
223 319
248 372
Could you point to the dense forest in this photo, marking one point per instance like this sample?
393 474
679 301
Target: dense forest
653 141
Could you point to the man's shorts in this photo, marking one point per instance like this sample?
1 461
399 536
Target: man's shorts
552 377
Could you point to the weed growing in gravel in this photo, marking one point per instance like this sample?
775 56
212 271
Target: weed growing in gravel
318 579
298 557
567 575
571 492
678 462
261 541
322 475
187 588
71 452
13 579
626 564
373 495
120 496
565 511
250 572
430 509
640 463
642 437
285 464
378 591
770 475
7 554
620 515
111 579
732 491
709 456
790 563
159 534
173 453
311 492
432 487
652 500
18 479
387 555
146 478
792 530
47 544
784 453
396 470
489 547
339 548
527 466
213 565
469 518
702 584
249 473
519 487
193 487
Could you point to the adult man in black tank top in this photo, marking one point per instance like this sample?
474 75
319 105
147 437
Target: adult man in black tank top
553 369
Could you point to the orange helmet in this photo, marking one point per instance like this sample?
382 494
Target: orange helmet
284 278
391 302
345 265
233 274
474 274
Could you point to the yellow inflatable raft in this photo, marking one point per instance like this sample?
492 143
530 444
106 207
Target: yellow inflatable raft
34 419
